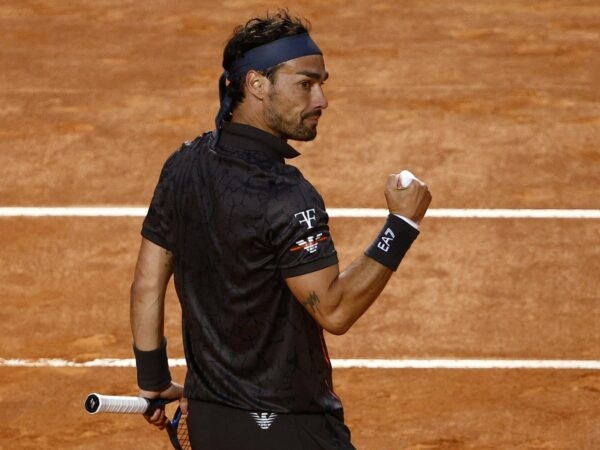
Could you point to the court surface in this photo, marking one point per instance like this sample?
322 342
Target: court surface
494 104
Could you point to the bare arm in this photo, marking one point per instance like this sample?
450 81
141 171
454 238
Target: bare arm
337 299
152 273
147 304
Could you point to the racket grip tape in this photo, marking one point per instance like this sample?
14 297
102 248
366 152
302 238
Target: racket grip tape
97 403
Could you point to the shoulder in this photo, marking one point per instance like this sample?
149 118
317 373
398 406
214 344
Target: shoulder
293 192
182 157
294 202
189 148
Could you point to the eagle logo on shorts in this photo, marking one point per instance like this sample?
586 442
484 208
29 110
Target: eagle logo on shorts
264 419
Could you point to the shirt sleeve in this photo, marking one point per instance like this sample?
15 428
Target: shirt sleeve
301 236
157 226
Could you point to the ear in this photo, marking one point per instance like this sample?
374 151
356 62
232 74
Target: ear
255 84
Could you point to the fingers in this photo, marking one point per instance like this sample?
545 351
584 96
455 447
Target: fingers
392 180
158 418
406 197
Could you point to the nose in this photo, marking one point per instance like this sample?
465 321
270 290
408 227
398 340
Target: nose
319 98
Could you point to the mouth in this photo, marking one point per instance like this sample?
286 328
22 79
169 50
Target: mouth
313 117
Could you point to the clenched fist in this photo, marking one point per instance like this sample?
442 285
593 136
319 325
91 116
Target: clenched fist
411 201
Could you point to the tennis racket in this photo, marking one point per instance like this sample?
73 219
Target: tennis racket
176 427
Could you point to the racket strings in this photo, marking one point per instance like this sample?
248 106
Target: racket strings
182 434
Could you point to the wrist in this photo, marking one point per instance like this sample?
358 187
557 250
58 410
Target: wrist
392 243
152 368
411 222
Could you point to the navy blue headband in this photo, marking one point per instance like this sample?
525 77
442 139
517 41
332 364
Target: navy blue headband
261 58
273 53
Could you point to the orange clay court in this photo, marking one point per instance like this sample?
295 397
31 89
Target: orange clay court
494 104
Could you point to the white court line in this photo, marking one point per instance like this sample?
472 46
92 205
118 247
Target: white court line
73 211
478 213
468 364
136 211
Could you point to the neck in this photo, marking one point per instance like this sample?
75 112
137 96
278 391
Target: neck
246 116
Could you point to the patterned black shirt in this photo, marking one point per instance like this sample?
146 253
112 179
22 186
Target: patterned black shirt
238 221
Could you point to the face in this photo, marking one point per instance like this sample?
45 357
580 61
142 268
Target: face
295 98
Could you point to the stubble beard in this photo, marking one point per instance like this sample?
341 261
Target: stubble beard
289 128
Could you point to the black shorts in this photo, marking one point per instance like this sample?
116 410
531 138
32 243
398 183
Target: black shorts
218 427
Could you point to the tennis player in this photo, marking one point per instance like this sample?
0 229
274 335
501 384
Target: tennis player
246 237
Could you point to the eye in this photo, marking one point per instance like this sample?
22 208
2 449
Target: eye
306 84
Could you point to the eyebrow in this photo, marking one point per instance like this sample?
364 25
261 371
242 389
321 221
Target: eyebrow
313 75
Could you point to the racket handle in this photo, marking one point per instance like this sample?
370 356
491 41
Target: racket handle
97 403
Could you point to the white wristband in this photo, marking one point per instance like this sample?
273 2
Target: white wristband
412 223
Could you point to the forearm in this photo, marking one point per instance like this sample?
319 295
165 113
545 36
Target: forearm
147 296
355 290
149 344
147 300
146 317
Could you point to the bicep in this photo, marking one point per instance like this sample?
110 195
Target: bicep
317 291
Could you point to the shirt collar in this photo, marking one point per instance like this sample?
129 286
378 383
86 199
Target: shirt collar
246 137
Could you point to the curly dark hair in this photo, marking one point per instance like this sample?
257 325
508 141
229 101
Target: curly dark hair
257 32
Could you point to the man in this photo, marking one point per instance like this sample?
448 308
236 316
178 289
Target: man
255 268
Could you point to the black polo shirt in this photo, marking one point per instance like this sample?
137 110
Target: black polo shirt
239 220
